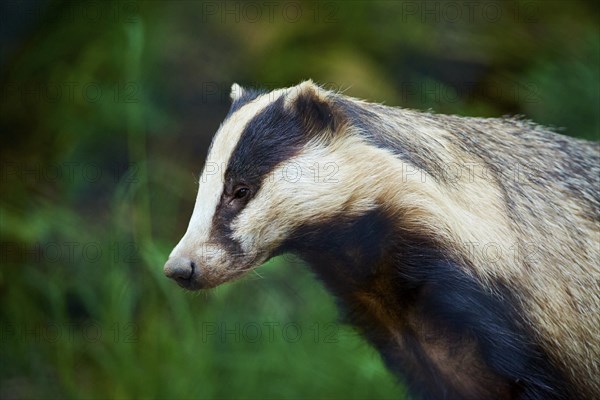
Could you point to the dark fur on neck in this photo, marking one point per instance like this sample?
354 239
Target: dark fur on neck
437 327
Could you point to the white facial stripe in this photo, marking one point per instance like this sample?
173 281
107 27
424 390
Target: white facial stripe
354 177
315 184
213 175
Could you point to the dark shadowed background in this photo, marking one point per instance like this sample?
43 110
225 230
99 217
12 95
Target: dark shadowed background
108 108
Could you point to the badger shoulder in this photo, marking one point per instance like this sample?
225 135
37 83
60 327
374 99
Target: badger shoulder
528 193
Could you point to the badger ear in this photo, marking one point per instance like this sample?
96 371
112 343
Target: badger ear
314 106
236 92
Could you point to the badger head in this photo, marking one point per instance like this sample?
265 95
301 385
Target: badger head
276 164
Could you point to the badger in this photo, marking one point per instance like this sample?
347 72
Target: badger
465 250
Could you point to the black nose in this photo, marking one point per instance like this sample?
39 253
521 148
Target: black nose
180 269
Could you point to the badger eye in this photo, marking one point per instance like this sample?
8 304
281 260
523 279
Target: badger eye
241 193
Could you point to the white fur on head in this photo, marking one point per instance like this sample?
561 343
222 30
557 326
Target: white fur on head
195 243
314 185
236 92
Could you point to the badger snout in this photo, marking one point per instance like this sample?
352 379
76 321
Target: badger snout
183 271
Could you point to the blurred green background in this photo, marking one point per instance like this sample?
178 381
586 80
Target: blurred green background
107 112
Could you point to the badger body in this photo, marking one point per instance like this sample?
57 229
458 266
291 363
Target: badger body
466 250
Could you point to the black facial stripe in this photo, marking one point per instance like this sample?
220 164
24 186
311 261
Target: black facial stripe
221 232
271 137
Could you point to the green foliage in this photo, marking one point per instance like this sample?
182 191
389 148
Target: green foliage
107 112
